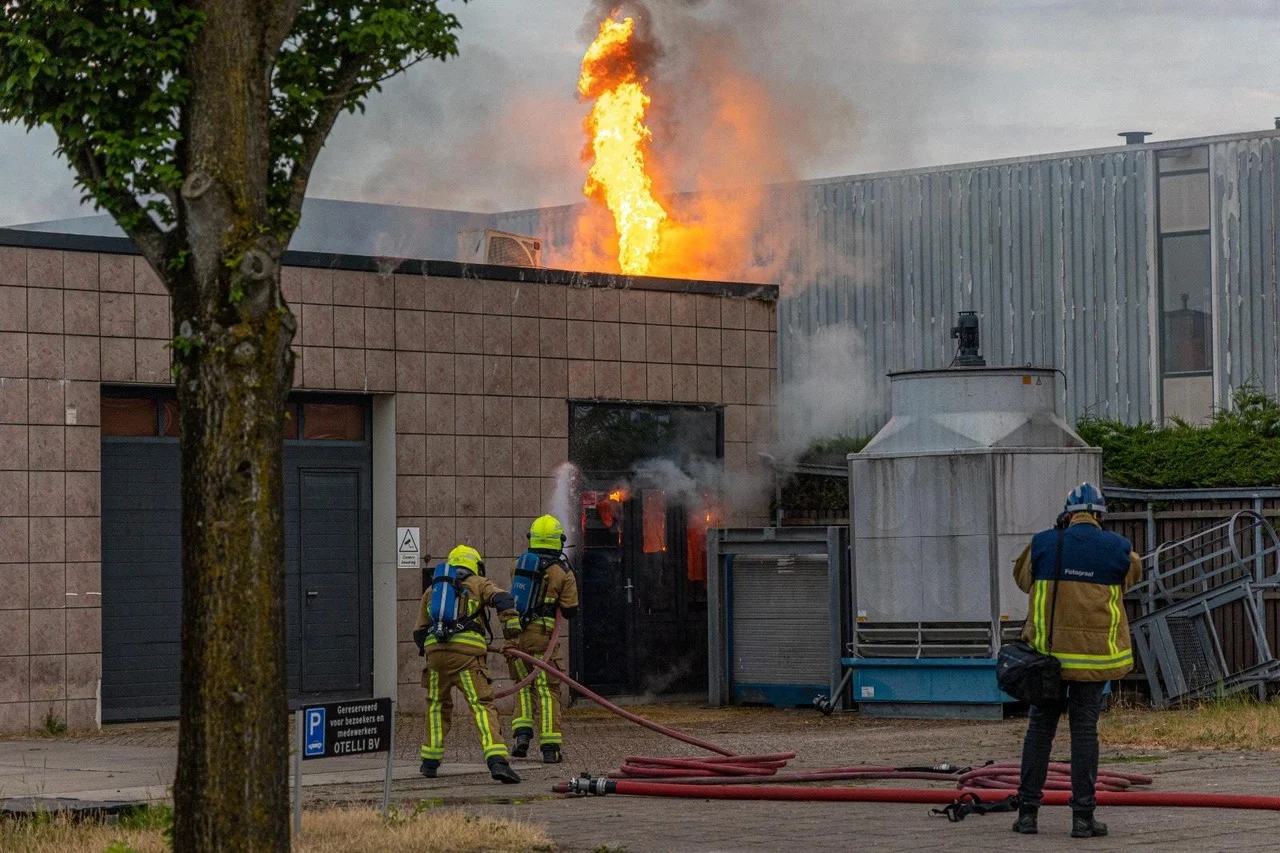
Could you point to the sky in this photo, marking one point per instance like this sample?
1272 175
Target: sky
882 84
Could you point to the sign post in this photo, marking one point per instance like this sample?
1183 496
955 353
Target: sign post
338 729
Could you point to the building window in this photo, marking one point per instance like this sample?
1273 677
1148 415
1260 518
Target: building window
1185 291
1186 282
155 415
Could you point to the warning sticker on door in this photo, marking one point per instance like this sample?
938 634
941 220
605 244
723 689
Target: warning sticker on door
408 547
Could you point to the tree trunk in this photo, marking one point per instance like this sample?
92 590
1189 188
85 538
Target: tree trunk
231 791
233 373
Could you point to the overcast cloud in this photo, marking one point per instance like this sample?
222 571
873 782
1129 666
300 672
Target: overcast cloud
927 82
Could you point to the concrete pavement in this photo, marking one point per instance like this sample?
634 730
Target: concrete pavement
129 762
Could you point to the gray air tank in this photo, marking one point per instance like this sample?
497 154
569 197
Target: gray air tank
942 500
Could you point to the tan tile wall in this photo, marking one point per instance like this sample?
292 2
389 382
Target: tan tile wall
481 370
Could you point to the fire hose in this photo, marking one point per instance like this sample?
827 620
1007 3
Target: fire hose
730 776
1168 799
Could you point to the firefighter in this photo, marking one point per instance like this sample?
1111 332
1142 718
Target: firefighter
543 582
1080 619
451 634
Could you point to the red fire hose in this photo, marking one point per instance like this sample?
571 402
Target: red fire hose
1169 799
728 776
621 712
533 672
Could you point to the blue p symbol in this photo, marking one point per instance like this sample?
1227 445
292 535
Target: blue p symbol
315 731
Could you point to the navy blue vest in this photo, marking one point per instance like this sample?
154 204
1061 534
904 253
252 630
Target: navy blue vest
1089 555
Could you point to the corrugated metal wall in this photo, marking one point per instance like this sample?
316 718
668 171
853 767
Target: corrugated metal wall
1246 191
1056 253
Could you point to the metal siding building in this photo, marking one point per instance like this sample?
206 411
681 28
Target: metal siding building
1061 256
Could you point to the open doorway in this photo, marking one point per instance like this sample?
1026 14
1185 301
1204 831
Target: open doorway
647 496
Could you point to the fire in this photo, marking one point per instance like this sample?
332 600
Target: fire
618 138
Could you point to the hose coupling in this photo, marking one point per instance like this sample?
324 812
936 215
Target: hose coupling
585 785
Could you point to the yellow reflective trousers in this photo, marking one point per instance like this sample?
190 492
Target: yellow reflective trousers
449 668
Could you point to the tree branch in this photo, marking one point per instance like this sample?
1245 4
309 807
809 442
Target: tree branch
156 245
314 138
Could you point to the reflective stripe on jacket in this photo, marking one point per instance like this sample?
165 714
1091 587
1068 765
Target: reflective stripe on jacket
1090 626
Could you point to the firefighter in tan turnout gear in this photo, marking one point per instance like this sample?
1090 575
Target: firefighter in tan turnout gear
451 634
542 583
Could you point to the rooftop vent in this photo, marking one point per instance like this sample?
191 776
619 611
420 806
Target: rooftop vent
488 246
1134 137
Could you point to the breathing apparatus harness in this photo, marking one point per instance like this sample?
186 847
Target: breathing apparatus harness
448 607
529 584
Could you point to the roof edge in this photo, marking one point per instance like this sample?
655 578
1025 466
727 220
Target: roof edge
16 237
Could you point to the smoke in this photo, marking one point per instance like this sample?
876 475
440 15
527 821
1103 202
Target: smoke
696 482
727 120
828 385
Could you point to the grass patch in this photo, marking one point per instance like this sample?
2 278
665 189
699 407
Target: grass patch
337 830
1233 723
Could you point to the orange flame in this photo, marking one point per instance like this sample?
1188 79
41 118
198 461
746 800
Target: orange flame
618 140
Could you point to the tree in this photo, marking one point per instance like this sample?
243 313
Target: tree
196 125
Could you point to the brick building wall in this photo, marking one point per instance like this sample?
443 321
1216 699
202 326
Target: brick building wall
481 372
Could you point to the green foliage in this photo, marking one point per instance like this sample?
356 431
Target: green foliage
1240 447
347 47
148 817
54 725
112 80
812 493
836 446
108 78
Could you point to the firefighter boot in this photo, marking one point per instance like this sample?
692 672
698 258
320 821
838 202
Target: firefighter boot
1084 826
523 738
500 770
551 754
1026 822
429 767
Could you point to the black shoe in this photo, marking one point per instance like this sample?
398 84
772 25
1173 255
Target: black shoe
1026 822
521 749
1084 826
551 754
500 770
429 767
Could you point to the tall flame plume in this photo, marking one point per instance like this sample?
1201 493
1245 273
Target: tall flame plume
617 142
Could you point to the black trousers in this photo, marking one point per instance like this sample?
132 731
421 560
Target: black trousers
1082 700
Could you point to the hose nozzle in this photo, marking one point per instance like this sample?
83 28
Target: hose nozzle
585 785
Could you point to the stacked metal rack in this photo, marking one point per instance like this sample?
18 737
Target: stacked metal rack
1190 588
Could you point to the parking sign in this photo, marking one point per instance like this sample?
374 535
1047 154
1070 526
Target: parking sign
315 732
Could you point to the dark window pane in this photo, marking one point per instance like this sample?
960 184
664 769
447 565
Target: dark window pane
290 425
1185 293
170 425
613 439
333 421
129 416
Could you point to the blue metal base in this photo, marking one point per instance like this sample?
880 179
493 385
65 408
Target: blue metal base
932 681
777 695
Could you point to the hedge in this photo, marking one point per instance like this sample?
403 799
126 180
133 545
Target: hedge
1239 447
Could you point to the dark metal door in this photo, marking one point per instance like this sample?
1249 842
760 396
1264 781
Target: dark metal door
328 548
141 579
603 631
333 601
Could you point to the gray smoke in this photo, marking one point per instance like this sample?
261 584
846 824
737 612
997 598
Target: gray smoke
828 385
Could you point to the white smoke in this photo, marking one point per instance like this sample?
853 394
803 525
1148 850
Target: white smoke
827 386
